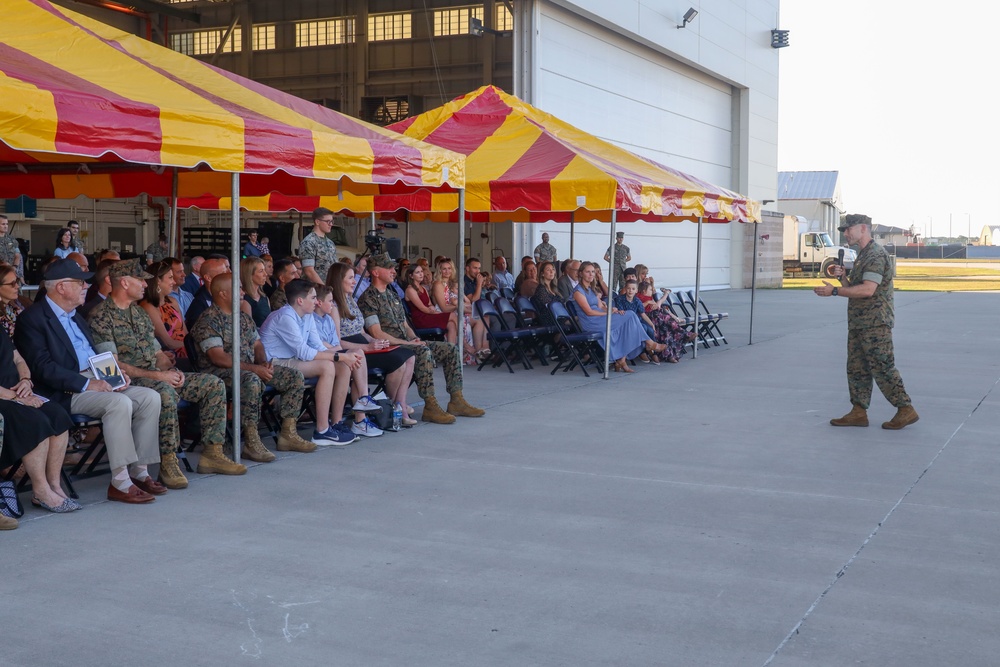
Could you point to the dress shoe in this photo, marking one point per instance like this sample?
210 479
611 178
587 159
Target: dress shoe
134 495
150 486
905 416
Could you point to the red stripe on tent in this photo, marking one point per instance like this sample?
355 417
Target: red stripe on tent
469 127
132 126
526 183
13 186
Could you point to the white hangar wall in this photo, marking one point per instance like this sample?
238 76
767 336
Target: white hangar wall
702 100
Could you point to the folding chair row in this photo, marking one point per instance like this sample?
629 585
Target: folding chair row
682 304
574 346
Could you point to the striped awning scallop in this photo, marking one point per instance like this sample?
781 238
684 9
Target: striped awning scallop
90 110
526 165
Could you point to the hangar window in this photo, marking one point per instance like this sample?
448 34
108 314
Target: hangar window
324 32
503 20
205 42
383 27
455 21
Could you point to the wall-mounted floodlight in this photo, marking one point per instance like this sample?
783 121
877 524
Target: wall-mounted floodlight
688 17
779 39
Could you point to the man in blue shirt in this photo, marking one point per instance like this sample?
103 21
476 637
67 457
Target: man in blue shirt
184 298
290 339
250 248
501 276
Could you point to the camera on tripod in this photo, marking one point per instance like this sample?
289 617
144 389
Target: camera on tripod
375 241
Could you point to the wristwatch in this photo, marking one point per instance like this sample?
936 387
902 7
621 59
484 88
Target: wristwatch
336 356
836 291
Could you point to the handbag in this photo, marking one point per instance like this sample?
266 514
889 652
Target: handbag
10 506
382 418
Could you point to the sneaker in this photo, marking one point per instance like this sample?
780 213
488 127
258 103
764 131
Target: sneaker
366 404
344 429
331 438
366 428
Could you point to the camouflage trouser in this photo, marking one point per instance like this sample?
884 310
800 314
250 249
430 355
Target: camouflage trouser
617 278
288 382
446 355
201 388
870 356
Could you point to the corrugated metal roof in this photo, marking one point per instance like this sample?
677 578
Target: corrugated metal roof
807 184
887 229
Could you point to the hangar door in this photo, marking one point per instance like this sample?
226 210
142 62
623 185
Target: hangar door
650 104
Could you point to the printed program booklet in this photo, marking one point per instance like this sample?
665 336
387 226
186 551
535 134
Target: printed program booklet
105 367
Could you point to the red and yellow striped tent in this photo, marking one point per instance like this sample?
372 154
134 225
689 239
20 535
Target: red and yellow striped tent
90 110
528 166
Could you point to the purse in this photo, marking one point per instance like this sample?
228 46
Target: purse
382 418
10 506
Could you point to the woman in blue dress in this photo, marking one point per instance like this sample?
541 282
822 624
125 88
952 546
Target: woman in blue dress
628 338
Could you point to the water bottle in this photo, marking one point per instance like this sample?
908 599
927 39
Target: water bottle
397 416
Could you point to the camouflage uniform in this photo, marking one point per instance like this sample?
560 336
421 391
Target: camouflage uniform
155 251
319 253
215 329
618 252
277 298
385 309
546 252
8 251
869 332
129 334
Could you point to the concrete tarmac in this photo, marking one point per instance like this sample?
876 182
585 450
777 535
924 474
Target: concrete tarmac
700 513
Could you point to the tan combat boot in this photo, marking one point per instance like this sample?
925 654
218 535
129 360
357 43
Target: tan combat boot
905 416
289 439
170 472
460 408
7 523
253 448
214 460
434 414
858 416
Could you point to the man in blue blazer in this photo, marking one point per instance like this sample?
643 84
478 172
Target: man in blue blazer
56 343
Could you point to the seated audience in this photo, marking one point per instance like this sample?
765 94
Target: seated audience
446 296
269 284
10 303
423 312
32 432
546 292
181 296
530 282
569 278
120 326
101 288
628 339
669 329
396 364
290 339
501 276
213 336
385 319
642 275
284 273
193 281
57 344
253 277
162 309
211 267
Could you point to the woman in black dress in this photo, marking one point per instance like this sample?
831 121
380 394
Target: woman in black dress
253 277
35 432
397 364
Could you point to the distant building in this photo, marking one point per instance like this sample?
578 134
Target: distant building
887 235
990 235
814 195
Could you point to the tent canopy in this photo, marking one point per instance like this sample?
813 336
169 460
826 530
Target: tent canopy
91 110
527 166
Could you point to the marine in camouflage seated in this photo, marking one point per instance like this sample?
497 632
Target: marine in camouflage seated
120 326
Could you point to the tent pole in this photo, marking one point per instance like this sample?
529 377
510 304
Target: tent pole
406 250
753 279
572 235
172 234
609 303
234 265
460 302
697 289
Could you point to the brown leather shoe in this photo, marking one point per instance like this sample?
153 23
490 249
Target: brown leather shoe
858 416
905 416
134 495
150 486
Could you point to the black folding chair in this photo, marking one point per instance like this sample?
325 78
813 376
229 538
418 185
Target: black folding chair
512 320
712 319
503 341
507 293
573 344
94 458
423 334
679 307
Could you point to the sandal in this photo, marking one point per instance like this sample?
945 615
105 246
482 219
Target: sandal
66 505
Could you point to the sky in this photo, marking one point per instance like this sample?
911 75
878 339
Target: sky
901 98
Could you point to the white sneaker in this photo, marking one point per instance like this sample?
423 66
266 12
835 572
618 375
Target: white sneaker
366 404
366 428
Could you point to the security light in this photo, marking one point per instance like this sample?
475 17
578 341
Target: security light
688 17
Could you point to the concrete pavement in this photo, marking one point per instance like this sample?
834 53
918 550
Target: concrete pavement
702 513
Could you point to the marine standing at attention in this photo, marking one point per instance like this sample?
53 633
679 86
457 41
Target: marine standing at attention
870 318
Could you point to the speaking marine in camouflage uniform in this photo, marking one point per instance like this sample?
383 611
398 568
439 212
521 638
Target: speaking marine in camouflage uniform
120 326
213 336
870 318
386 319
